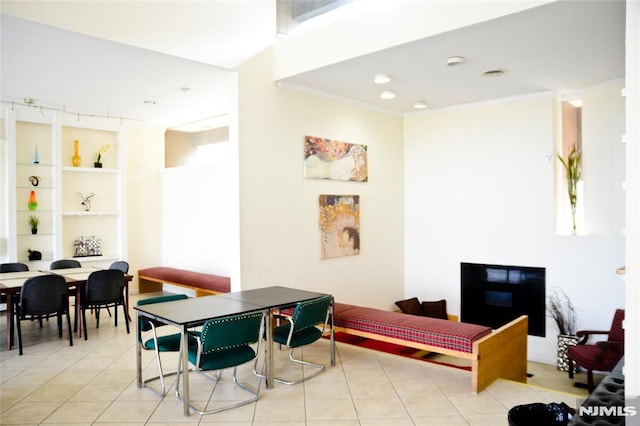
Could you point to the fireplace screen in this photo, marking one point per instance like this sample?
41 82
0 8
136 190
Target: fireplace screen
493 295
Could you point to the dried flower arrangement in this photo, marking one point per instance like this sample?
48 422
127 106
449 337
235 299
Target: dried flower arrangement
560 308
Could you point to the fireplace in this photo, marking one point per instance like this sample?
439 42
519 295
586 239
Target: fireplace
493 295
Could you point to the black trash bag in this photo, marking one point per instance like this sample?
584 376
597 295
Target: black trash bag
539 414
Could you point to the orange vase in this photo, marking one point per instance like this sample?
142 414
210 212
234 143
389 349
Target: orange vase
33 202
75 160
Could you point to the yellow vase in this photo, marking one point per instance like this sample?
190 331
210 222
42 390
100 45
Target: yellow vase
75 160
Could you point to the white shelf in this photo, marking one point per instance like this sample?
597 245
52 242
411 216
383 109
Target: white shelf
96 170
82 259
62 217
89 213
34 164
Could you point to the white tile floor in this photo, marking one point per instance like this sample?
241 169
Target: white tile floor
94 382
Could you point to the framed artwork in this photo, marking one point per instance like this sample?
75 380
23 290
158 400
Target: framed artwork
331 159
339 218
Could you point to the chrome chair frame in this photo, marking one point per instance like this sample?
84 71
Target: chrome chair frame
155 343
199 339
293 345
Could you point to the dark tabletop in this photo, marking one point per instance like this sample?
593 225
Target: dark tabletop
272 297
195 311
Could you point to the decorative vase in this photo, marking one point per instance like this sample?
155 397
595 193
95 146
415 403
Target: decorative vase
34 231
564 341
97 165
75 160
33 202
36 157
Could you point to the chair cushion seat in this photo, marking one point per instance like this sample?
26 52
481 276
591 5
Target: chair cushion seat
300 338
170 343
586 356
221 359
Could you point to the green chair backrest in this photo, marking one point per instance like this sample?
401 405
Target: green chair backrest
310 313
231 332
145 323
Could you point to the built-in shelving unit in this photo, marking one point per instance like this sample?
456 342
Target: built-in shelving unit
62 190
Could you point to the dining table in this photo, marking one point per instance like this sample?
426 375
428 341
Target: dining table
193 312
11 283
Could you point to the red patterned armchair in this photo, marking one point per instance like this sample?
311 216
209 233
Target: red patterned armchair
599 356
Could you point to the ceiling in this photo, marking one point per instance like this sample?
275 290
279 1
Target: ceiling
103 58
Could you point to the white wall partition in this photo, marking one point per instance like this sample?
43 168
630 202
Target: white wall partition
196 215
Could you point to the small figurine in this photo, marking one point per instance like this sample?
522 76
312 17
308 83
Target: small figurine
86 201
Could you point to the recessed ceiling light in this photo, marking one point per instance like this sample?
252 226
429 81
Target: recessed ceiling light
494 73
150 102
382 78
388 94
455 60
185 89
420 105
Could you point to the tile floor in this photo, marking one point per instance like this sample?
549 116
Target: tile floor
94 382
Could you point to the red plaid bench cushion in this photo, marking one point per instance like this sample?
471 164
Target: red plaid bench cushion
188 278
452 335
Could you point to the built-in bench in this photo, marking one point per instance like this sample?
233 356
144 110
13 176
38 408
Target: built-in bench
152 279
494 354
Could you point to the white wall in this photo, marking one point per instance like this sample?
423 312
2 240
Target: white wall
196 215
479 188
279 234
632 229
144 160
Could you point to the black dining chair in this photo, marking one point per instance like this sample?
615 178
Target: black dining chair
123 266
42 296
120 265
11 267
104 288
65 264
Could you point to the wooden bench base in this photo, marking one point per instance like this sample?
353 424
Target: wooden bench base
501 354
152 280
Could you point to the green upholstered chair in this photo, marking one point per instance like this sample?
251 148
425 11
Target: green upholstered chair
149 339
224 343
301 329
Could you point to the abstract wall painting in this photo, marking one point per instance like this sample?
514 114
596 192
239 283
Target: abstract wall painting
331 159
339 218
